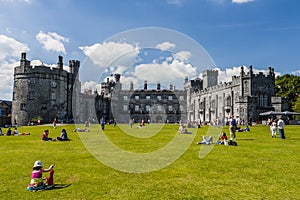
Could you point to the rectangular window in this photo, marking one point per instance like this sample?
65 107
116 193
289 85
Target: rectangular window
53 96
32 80
170 108
181 108
170 98
31 95
148 108
181 98
159 108
148 97
125 98
125 107
23 106
136 107
137 97
14 96
159 98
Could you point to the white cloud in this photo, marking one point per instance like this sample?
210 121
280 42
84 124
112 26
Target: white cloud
173 72
165 46
297 72
109 52
183 55
242 1
9 47
51 41
17 1
10 52
90 85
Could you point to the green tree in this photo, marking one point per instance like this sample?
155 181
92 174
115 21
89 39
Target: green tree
288 85
296 106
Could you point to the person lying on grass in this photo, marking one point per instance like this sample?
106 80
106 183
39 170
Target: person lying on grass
37 182
182 129
207 141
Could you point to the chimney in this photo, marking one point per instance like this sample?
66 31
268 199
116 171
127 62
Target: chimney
171 86
145 85
60 62
158 86
131 85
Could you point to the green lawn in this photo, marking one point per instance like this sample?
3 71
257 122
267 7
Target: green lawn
260 167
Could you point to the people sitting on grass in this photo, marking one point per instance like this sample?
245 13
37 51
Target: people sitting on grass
37 182
63 136
222 139
45 136
15 132
182 129
207 141
8 132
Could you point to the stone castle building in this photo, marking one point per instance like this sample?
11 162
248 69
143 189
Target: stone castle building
48 93
43 92
157 105
244 97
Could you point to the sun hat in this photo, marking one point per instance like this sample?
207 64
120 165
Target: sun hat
38 163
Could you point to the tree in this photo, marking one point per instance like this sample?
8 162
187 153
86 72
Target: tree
288 85
296 106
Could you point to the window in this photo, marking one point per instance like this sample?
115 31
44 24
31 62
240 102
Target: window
32 80
137 97
159 108
148 108
148 97
23 106
125 98
181 108
181 98
170 98
136 107
53 96
158 97
170 108
31 95
53 84
14 96
125 107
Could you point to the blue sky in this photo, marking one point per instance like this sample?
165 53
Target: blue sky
261 33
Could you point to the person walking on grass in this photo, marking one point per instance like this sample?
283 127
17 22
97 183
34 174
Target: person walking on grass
280 125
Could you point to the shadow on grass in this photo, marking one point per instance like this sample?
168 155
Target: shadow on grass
245 139
295 138
59 186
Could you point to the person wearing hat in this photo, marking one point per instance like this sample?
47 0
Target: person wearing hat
36 182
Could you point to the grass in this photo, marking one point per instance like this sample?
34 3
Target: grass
260 167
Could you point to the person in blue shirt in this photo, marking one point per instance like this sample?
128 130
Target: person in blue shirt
63 136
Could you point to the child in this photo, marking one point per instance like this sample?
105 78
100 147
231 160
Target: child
36 182
273 129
